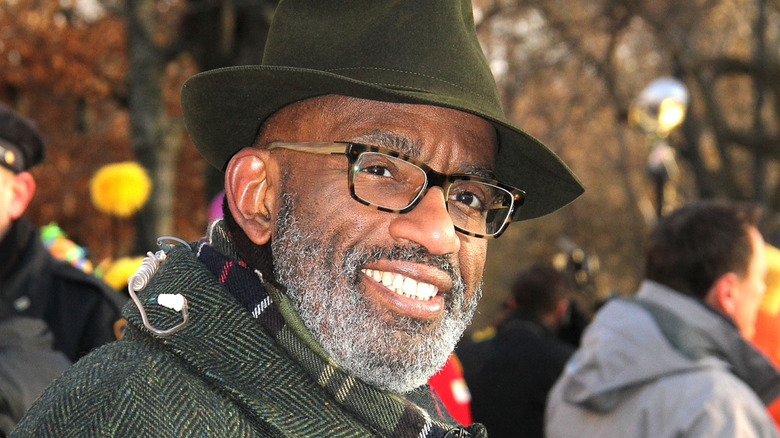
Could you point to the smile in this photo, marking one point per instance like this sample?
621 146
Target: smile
403 285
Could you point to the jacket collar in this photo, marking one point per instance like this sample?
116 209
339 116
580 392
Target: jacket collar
220 328
14 245
697 331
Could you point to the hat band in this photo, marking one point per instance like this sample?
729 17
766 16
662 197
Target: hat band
11 157
403 80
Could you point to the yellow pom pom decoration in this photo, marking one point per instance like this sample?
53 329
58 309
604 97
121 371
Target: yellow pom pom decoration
118 272
120 189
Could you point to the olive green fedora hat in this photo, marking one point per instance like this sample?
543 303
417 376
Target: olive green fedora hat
400 51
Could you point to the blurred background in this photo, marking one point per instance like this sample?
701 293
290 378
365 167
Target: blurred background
651 103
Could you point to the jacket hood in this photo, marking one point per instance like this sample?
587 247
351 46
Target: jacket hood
608 365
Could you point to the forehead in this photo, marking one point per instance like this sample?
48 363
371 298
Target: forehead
439 136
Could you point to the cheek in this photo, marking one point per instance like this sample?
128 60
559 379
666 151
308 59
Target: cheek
318 195
472 260
756 294
759 297
332 213
749 306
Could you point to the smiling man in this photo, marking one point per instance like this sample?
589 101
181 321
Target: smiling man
367 163
409 281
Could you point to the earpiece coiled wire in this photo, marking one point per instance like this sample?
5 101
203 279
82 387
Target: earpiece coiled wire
138 281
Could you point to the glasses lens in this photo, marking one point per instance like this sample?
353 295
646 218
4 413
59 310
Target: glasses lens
393 183
479 207
387 181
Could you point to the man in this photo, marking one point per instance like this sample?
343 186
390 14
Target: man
80 310
50 312
674 360
510 374
335 285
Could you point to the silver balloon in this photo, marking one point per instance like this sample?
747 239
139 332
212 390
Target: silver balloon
660 107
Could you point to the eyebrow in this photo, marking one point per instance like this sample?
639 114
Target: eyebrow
479 171
405 146
393 141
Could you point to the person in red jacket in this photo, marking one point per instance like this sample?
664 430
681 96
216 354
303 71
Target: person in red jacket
451 388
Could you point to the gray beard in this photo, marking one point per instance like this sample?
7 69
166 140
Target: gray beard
392 352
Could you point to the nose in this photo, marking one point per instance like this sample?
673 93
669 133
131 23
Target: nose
428 224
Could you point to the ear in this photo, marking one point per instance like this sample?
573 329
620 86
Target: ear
722 295
23 189
249 193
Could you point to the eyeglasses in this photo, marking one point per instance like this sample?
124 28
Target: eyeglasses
392 182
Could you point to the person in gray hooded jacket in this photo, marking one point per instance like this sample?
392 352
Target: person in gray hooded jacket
673 361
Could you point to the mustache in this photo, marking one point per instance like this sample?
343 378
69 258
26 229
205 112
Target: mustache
355 257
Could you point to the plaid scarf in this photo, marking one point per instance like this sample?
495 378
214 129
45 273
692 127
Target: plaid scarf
387 413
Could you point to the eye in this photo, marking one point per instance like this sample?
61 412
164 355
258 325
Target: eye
376 165
478 198
470 199
376 170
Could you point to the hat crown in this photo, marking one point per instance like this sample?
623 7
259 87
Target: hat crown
427 46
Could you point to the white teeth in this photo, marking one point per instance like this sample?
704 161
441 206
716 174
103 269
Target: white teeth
410 286
398 284
403 285
386 278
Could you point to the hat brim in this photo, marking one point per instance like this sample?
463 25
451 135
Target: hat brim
224 109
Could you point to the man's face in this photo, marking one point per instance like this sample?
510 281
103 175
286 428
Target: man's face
7 197
750 288
358 276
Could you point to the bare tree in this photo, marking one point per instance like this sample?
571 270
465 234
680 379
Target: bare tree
569 70
216 33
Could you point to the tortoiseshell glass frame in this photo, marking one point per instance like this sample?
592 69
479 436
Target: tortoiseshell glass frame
433 178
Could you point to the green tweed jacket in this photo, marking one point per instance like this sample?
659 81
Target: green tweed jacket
223 375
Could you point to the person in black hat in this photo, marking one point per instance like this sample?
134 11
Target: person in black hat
51 313
80 309
367 163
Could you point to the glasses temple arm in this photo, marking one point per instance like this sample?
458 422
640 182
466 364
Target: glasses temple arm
323 148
